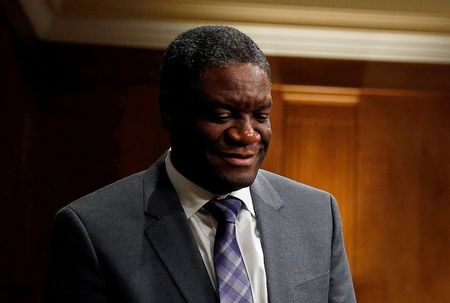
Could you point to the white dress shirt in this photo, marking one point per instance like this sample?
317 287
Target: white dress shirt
193 198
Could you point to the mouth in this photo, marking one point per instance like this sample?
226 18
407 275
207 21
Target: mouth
239 159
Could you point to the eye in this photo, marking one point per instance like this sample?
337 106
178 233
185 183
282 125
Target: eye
261 117
220 117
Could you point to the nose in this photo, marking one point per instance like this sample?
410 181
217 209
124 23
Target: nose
244 133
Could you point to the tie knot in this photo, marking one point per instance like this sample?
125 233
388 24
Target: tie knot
224 210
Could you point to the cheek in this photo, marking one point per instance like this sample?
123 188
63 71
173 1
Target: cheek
265 133
210 133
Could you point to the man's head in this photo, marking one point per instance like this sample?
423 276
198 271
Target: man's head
215 100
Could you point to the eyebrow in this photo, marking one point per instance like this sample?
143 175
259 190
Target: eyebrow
230 106
265 105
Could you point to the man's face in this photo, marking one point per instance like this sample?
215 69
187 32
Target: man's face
220 140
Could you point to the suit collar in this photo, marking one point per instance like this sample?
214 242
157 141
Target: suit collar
265 193
272 214
170 234
160 198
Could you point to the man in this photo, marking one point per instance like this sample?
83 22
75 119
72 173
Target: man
204 223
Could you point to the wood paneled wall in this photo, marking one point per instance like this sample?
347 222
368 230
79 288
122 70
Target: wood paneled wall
317 142
385 155
403 234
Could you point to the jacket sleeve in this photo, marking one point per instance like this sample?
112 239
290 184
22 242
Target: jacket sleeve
341 285
74 271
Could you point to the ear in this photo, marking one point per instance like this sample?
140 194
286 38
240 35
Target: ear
164 111
166 120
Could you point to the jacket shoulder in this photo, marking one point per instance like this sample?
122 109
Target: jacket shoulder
120 194
285 185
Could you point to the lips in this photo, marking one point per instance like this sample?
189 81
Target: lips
239 159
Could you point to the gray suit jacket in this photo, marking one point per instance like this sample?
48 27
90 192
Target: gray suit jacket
131 242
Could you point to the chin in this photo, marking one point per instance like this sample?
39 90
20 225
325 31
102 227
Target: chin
221 177
238 181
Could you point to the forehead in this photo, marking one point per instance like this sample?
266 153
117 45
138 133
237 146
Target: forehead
233 74
239 81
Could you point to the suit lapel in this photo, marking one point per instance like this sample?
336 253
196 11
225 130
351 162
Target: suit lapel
273 222
170 234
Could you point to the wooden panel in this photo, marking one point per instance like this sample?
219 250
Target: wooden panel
359 74
403 235
140 134
273 159
318 143
385 154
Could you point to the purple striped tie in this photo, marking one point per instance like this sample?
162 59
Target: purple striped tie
231 275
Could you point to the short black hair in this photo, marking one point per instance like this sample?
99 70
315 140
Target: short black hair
202 47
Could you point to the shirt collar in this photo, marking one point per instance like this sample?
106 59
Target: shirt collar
193 197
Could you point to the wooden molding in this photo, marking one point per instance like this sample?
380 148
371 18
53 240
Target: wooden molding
265 13
329 39
318 95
